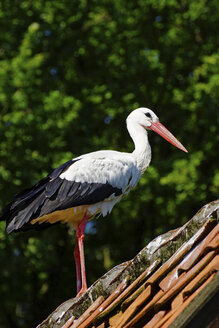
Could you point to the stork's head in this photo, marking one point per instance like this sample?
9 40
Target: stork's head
147 119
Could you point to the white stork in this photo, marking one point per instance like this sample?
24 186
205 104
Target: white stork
85 186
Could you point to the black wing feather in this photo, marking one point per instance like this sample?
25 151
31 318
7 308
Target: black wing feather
52 194
52 187
23 199
64 189
73 189
62 168
29 193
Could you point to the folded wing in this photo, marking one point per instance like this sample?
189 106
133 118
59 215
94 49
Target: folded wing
77 182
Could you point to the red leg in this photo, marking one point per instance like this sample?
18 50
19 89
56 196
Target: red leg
78 266
79 257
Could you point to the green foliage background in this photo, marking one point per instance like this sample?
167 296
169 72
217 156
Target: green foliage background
70 72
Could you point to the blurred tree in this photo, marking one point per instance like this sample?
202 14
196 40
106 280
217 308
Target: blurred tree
70 72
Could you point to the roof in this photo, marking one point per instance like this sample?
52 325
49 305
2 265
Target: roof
165 285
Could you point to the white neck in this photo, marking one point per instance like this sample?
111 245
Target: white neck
142 152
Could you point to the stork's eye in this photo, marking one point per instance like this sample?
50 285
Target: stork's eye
148 115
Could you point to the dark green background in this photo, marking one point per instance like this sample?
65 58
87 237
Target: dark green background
70 72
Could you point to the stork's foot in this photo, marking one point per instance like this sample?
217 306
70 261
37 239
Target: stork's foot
82 291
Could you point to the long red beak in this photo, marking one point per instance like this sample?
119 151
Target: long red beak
166 134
